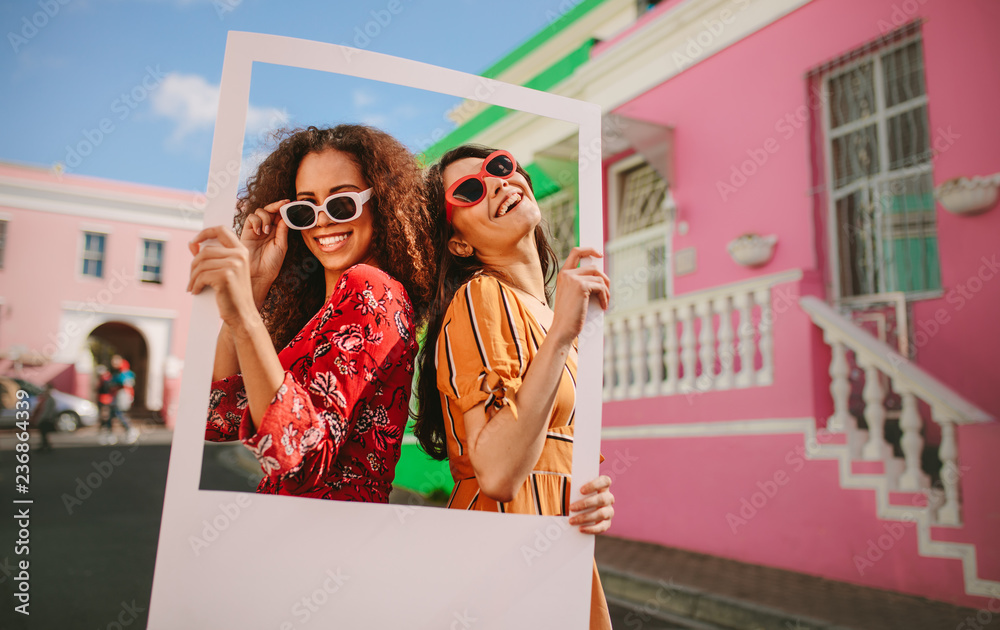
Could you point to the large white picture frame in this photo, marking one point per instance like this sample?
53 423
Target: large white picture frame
234 560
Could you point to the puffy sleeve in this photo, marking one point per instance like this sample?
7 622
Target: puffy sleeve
482 346
335 365
227 402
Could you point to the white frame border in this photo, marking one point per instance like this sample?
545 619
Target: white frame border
477 570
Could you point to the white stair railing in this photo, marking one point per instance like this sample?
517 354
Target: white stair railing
884 365
704 341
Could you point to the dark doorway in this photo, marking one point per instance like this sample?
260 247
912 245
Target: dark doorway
119 338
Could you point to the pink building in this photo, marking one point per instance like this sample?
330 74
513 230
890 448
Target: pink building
89 267
802 230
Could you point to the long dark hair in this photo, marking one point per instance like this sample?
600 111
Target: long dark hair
453 272
401 227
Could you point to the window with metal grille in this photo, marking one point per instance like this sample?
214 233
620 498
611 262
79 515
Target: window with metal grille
879 164
152 261
93 254
642 200
638 252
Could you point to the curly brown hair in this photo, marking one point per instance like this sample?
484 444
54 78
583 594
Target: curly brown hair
402 226
453 272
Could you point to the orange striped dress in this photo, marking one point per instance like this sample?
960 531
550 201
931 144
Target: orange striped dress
489 335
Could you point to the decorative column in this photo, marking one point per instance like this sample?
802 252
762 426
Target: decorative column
912 443
706 341
747 374
874 396
621 358
673 360
840 388
948 514
637 332
763 299
727 376
688 352
654 353
609 361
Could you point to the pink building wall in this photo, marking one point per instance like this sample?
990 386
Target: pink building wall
43 262
750 101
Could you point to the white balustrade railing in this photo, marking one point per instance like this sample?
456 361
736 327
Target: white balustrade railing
704 341
885 368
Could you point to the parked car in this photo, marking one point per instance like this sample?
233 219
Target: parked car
71 411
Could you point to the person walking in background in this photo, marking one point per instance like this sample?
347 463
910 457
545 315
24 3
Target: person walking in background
122 394
45 417
104 396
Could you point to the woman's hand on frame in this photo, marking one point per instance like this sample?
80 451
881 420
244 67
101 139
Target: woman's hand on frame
575 286
223 265
593 513
265 236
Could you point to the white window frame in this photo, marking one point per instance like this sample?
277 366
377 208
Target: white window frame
880 118
140 273
616 172
82 251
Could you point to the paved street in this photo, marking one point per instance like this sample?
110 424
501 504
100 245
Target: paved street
93 531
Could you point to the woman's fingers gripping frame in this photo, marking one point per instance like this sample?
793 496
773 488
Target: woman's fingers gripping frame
262 220
594 511
222 235
593 281
217 242
577 254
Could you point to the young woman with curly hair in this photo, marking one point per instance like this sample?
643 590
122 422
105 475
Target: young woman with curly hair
320 290
497 388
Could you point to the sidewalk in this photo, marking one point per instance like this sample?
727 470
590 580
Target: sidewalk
149 433
731 594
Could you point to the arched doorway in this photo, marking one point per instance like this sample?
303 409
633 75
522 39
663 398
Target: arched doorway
113 338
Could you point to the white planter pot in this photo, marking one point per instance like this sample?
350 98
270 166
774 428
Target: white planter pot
753 251
968 196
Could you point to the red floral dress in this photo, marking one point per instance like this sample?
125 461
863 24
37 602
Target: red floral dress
335 426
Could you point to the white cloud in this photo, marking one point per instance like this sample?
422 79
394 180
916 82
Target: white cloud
405 111
31 62
375 120
191 102
251 162
362 98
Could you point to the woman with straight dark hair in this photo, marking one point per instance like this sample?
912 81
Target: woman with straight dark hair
497 388
320 291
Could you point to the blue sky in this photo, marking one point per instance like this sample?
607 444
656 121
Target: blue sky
136 81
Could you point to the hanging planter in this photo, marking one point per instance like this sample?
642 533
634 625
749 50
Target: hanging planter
753 250
968 196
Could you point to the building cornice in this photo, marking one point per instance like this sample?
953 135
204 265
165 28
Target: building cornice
103 204
651 56
118 310
604 19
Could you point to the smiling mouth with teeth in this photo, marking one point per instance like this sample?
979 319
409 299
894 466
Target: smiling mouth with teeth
334 239
508 204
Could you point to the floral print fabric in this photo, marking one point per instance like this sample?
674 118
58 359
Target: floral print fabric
335 426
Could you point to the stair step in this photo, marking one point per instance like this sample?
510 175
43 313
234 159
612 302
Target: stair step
908 499
867 468
825 437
